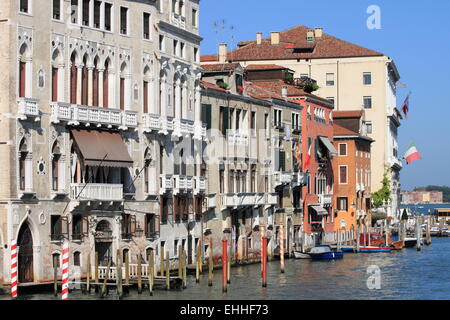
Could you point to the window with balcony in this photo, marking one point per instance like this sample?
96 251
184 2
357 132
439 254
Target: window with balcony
198 208
25 6
181 8
23 75
231 182
151 226
367 102
84 82
222 181
80 227
124 20
85 12
146 23
164 210
108 16
342 203
56 9
367 78
97 8
25 166
59 227
330 79
128 226
56 167
343 175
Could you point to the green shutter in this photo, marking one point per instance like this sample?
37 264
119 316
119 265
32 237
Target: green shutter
225 120
282 161
206 115
316 148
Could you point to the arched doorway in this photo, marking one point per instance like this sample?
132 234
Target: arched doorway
25 259
103 242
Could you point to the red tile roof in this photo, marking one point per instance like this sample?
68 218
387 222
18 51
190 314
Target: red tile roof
208 85
264 67
209 58
325 47
347 114
341 131
220 67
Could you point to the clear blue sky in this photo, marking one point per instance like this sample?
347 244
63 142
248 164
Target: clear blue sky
416 34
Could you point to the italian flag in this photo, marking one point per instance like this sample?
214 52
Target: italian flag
308 158
411 154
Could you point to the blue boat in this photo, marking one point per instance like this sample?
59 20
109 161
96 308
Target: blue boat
324 252
374 249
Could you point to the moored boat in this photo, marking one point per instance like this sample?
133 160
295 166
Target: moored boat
397 245
410 242
324 252
300 255
374 249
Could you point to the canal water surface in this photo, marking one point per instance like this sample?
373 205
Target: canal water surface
406 274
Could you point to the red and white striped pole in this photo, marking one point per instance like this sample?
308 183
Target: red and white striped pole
13 269
65 271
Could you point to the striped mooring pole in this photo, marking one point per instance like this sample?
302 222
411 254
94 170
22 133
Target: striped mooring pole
65 271
13 269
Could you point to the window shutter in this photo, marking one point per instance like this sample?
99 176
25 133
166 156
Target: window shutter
225 120
65 226
132 224
282 161
85 226
157 223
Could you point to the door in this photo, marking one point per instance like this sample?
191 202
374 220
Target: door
104 252
25 259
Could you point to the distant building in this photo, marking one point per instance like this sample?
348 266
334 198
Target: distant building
422 197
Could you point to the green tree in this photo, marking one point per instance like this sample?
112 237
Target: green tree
382 196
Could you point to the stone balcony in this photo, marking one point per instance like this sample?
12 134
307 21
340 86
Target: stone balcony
28 108
96 192
299 179
395 162
163 125
200 184
182 184
281 178
326 200
360 187
271 199
237 138
165 183
183 128
75 114
178 21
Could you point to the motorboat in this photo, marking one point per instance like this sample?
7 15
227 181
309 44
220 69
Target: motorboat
300 255
374 249
324 252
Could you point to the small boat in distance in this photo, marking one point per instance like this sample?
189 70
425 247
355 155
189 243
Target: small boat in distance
324 252
300 255
374 249
410 242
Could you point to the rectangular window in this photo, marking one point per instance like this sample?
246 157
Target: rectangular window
343 175
194 17
161 43
175 47
164 210
367 102
342 149
59 227
85 18
367 78
182 46
108 18
369 127
330 79
145 96
97 6
57 9
146 22
342 203
123 20
150 225
224 120
206 115
221 180
24 6
74 11
159 5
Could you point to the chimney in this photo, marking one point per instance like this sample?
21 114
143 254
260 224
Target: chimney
259 38
275 37
284 93
318 32
310 35
222 53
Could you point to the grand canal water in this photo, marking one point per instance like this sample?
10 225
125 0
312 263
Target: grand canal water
406 274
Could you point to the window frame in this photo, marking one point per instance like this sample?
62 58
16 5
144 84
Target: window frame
346 174
61 10
346 149
29 5
367 98
330 83
127 21
364 78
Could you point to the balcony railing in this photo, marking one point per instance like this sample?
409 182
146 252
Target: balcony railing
211 201
28 108
166 183
76 114
95 191
199 130
395 161
183 127
282 178
299 179
178 20
271 199
152 122
325 200
200 185
183 184
260 200
237 137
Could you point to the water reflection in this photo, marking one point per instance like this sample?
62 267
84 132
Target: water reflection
406 274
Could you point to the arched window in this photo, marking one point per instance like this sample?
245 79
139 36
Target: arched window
145 90
124 87
56 166
24 72
84 82
77 259
106 84
23 154
95 91
147 159
125 255
73 79
174 96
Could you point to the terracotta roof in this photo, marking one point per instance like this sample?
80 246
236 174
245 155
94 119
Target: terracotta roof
258 91
264 67
209 58
220 67
325 47
341 131
208 85
348 114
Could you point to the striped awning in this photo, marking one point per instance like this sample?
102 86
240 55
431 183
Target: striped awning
327 143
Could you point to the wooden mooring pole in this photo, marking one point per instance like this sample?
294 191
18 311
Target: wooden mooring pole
418 235
119 275
96 272
55 281
127 267
211 265
139 273
104 286
88 274
151 272
224 265
167 272
229 264
161 262
264 261
183 268
428 234
282 248
198 260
